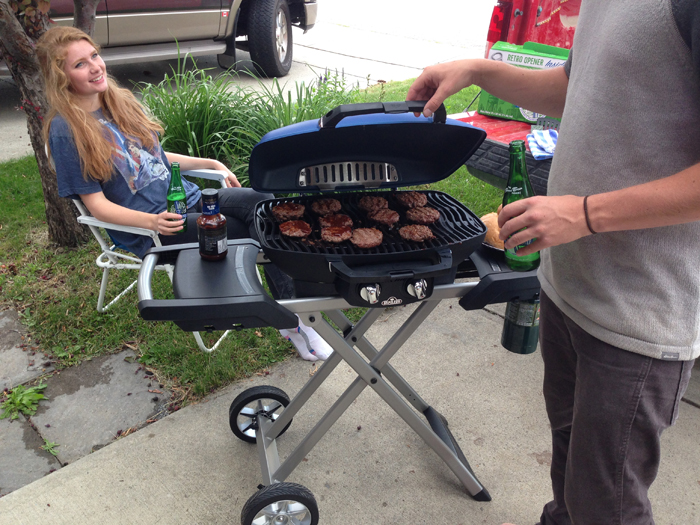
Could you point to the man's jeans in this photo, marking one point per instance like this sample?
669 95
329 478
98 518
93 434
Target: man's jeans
607 408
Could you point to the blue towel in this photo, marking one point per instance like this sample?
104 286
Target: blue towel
542 143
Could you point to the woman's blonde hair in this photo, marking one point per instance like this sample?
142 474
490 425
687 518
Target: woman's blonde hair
95 146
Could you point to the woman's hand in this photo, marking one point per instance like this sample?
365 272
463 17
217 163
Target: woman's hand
549 220
230 180
167 223
196 163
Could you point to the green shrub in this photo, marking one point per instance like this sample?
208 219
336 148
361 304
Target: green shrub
214 117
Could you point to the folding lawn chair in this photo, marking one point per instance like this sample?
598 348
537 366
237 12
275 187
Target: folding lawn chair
113 258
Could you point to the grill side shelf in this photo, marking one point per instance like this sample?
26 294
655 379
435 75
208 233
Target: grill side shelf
498 284
209 296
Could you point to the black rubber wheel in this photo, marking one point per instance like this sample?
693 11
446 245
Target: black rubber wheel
254 403
270 37
287 503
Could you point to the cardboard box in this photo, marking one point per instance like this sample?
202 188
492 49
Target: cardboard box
530 55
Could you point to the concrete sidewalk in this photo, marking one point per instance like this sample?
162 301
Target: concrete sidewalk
370 468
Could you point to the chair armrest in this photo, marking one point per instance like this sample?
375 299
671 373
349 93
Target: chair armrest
91 221
207 174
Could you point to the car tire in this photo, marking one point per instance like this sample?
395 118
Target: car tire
270 37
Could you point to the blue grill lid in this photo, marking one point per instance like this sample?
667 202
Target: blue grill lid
359 146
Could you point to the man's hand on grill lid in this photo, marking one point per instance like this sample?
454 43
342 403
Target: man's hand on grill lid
438 82
549 220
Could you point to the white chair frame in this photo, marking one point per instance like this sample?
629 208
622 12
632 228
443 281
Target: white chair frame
110 259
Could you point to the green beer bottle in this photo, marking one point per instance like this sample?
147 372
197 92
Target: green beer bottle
521 326
519 187
177 200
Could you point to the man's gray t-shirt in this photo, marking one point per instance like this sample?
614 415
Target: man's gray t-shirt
632 108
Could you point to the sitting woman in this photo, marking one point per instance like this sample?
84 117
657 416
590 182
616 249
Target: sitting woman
107 153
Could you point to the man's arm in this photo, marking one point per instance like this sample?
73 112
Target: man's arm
542 91
558 220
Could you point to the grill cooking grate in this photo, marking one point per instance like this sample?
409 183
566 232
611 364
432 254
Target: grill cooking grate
457 224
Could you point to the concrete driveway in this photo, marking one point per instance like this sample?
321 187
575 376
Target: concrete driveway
387 40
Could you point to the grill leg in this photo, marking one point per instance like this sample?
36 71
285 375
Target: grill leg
438 438
370 374
436 420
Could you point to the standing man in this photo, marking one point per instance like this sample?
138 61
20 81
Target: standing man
620 241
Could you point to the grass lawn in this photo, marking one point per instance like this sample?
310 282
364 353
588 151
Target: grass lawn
55 289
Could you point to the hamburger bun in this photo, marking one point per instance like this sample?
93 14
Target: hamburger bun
490 220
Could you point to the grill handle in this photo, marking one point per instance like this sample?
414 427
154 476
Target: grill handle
399 270
335 115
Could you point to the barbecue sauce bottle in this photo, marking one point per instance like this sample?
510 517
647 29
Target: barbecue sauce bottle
176 197
211 225
519 187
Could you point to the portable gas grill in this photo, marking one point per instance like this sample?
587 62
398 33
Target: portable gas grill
350 150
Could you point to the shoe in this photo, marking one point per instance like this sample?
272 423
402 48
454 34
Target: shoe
310 345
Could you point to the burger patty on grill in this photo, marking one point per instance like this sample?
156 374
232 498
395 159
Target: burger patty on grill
335 220
325 206
412 199
384 216
336 233
416 233
295 229
423 215
366 237
288 211
370 203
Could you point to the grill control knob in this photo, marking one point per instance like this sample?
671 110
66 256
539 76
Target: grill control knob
418 289
370 293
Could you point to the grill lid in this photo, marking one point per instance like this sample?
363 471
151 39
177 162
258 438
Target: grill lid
357 146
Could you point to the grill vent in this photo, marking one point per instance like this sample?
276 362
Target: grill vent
335 174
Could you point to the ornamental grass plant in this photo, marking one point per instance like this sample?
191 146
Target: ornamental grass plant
216 117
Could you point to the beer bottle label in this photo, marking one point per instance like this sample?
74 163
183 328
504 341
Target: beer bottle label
523 313
178 207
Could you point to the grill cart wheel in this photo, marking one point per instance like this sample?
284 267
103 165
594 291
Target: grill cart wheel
254 403
281 504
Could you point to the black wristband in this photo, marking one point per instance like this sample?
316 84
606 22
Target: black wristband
585 212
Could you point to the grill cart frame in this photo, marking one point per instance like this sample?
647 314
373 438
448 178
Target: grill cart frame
277 498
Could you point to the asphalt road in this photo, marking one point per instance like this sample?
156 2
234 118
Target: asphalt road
387 40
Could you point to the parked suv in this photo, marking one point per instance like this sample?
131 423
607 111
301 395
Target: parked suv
142 30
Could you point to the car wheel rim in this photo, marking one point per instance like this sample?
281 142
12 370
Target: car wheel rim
281 35
285 512
249 414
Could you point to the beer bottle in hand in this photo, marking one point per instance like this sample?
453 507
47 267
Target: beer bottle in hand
213 242
519 187
177 200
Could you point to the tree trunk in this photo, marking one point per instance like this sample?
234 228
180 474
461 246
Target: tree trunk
84 15
18 50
